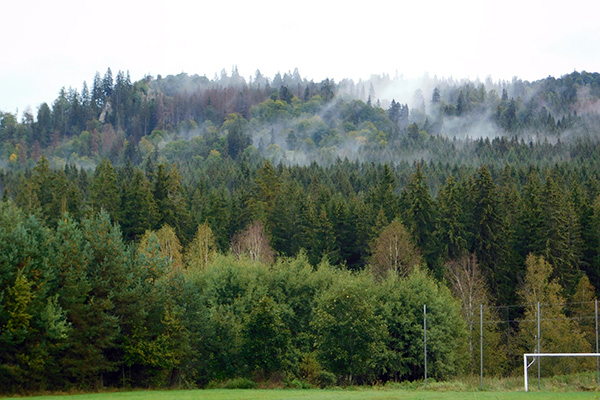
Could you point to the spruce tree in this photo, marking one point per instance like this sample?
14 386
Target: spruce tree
104 190
451 231
138 208
419 216
563 242
489 237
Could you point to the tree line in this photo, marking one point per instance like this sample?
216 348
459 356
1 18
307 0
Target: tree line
80 308
499 214
376 226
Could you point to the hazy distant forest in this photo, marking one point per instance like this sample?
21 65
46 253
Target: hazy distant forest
182 230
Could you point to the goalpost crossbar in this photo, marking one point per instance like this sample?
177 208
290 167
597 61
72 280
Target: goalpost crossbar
537 355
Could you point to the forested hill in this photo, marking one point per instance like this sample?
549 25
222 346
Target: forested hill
295 121
182 229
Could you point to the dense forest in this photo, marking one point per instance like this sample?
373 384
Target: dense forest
182 230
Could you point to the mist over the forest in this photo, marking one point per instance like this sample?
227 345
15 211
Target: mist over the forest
292 120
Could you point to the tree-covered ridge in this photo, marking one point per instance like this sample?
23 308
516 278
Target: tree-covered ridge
501 214
310 257
292 120
182 228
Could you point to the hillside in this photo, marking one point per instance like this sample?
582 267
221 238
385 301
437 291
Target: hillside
186 229
291 120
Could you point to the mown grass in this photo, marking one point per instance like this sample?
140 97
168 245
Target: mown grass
322 394
569 387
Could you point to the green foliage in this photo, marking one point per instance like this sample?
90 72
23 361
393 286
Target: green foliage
31 323
350 336
138 206
239 383
328 177
560 334
402 309
265 338
104 191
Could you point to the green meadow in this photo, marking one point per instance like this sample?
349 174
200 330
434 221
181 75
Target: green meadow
320 394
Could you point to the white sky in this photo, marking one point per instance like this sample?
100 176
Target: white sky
50 44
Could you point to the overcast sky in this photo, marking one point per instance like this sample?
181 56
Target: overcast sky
51 44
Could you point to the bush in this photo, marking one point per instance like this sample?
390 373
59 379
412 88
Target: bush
310 368
327 379
240 383
298 384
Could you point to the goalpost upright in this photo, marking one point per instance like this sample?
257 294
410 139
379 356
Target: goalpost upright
538 355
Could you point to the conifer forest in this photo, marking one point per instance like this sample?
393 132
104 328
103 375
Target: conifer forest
182 230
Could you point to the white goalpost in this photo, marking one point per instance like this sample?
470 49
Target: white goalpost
536 356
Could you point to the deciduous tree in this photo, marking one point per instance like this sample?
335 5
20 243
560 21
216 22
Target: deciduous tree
393 251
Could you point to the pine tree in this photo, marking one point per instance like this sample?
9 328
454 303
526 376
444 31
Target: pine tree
451 233
219 216
32 324
94 328
324 245
109 271
104 191
382 196
138 208
344 227
563 246
283 219
420 219
107 84
98 97
264 193
592 240
169 196
489 238
531 235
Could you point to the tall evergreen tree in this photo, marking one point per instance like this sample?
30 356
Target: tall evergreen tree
283 219
32 323
383 196
94 328
489 238
138 207
563 247
104 190
419 216
531 234
169 196
451 232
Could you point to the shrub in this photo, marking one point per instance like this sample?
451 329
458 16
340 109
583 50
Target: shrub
298 384
240 383
327 379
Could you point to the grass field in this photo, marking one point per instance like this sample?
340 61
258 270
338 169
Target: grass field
568 387
325 394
